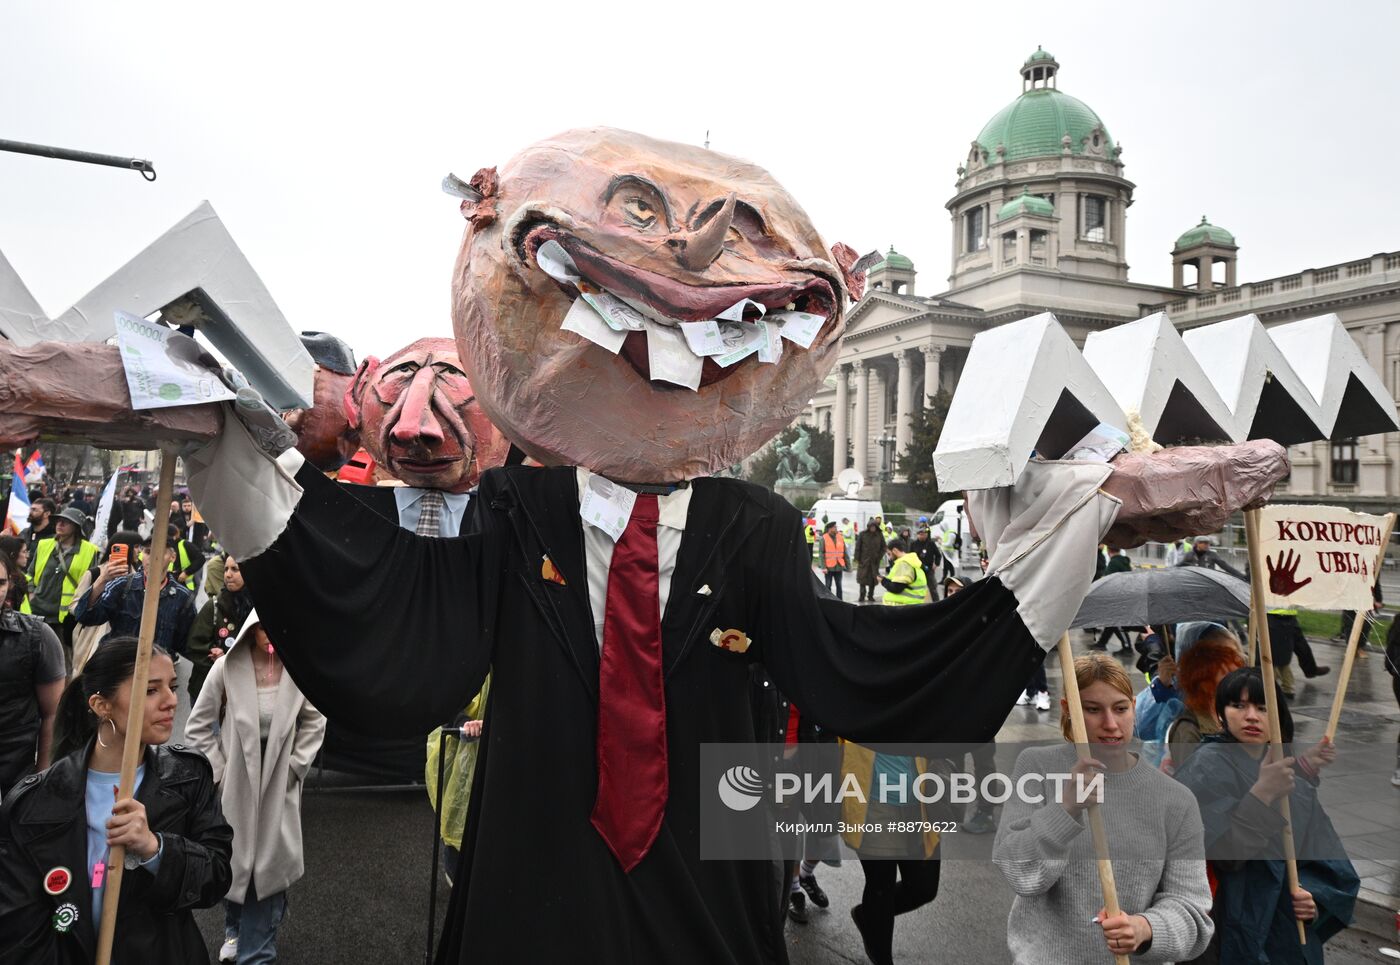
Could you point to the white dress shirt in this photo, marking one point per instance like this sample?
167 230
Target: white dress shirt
450 520
598 549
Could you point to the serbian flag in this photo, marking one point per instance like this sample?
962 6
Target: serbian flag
34 469
17 512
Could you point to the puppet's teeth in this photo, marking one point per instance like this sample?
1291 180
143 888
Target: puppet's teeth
583 320
800 328
703 338
735 312
557 263
742 339
620 316
648 311
668 358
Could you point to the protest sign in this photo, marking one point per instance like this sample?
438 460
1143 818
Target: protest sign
164 367
1319 557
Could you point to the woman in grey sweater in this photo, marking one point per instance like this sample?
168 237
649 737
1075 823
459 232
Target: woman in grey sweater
1154 830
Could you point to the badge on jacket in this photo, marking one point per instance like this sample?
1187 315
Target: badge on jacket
735 640
65 917
56 882
550 572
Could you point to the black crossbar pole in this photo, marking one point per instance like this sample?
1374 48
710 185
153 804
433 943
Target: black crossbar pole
146 168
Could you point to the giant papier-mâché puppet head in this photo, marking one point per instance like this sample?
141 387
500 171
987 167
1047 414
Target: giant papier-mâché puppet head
648 310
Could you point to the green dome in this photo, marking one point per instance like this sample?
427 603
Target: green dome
1033 124
1040 54
1205 233
1028 203
896 261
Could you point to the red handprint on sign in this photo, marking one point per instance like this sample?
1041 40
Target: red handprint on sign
1283 578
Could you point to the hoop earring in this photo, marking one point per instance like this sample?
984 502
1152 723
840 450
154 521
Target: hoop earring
106 720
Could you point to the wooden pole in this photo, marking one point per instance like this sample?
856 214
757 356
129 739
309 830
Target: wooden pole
1350 659
1081 743
1251 536
136 713
1266 664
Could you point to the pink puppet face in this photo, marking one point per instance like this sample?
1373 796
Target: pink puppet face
417 415
666 236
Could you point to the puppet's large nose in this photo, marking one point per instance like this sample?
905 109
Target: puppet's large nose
697 250
416 417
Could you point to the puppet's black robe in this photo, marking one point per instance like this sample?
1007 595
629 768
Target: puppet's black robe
395 632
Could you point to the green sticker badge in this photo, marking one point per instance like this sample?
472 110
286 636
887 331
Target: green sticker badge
65 917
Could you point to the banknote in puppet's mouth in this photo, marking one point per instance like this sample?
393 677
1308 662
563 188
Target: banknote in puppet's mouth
670 332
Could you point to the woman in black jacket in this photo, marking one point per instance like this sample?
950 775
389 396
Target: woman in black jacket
57 827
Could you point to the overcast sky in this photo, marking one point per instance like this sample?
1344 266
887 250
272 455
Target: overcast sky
320 137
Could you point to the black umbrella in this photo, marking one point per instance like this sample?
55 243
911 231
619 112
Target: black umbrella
1172 595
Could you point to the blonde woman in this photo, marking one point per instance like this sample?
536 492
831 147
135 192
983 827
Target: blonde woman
1046 854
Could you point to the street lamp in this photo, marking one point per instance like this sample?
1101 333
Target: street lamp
887 443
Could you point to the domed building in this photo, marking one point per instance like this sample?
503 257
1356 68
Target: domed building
1051 147
1039 221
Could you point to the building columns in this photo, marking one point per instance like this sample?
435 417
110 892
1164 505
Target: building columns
1204 282
838 420
903 400
933 359
860 437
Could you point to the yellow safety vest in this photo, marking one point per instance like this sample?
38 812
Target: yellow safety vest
1284 612
184 562
917 589
82 559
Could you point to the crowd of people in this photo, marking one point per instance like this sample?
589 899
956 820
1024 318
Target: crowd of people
228 740
1201 783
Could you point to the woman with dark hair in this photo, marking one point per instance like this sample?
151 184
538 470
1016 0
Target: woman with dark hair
18 552
1044 851
57 829
218 624
1239 791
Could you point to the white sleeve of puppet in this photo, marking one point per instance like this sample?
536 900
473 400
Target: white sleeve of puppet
1041 535
244 494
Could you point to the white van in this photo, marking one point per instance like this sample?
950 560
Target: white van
837 508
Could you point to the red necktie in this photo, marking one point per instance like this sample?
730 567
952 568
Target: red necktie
632 774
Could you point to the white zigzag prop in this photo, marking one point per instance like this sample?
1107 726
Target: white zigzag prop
1149 369
196 273
1025 389
1257 382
